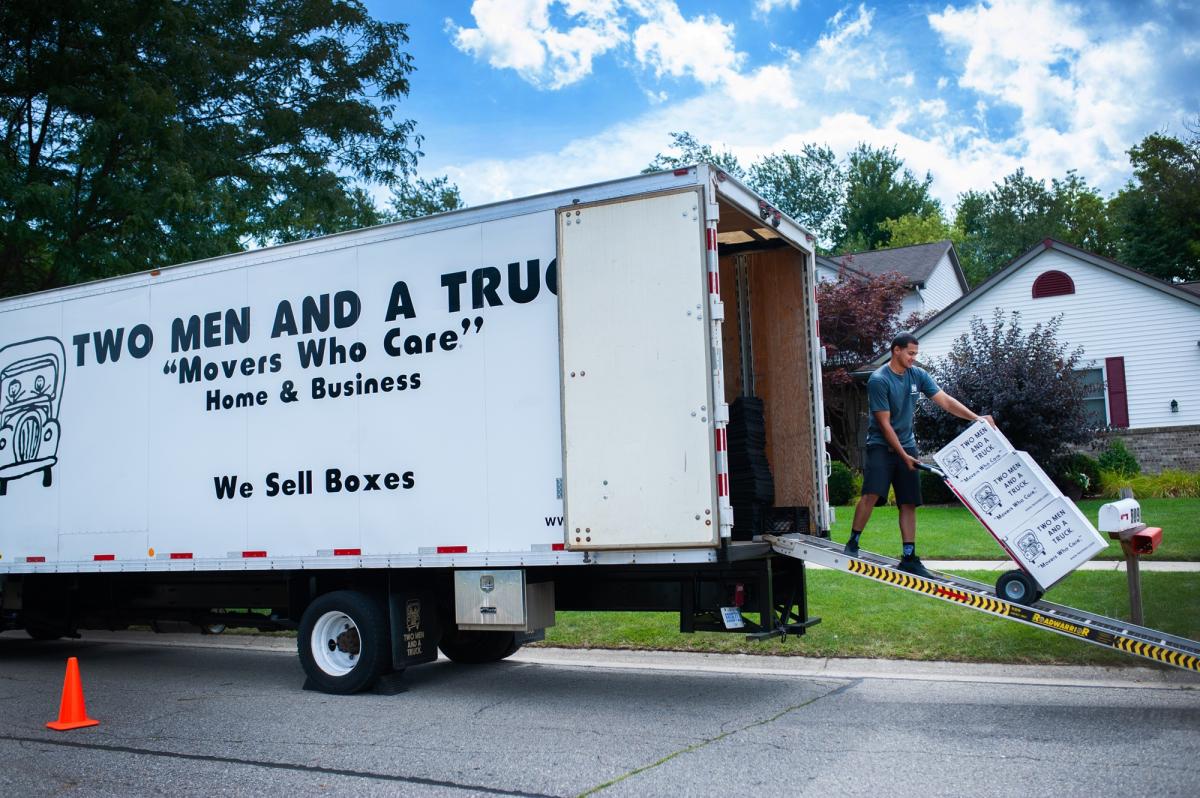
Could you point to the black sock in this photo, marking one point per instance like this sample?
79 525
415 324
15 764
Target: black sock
854 533
910 549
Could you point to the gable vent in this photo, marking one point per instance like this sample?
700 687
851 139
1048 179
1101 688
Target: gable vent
1052 283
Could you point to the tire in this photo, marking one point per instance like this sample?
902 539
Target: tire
1017 587
47 478
344 642
476 648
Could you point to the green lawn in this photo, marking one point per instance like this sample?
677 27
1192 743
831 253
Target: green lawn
950 532
862 618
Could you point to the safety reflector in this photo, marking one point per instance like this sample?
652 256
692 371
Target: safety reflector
347 552
181 555
35 559
101 557
254 554
451 549
558 546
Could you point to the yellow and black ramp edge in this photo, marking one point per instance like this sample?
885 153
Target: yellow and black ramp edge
929 587
1153 651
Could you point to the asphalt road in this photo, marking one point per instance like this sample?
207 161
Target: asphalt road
226 716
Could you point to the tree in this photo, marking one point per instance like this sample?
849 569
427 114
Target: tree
134 135
858 318
809 187
411 200
1157 214
689 152
878 188
1028 381
1018 212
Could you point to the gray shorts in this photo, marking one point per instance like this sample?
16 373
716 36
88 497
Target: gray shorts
884 468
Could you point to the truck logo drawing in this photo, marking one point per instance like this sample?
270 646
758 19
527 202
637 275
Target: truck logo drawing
31 385
1030 546
987 498
955 463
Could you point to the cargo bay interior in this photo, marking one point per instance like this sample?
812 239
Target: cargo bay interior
767 359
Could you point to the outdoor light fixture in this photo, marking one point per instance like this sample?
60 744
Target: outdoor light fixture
1174 406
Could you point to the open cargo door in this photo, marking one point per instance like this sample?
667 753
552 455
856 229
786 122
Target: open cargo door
637 406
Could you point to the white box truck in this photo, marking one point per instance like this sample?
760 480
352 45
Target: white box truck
426 434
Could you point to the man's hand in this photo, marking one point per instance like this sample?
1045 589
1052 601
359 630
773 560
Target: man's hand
910 461
991 421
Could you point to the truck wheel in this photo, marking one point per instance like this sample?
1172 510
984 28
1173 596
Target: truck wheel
1017 587
475 648
43 633
344 642
47 478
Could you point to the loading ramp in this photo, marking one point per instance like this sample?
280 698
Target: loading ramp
1068 621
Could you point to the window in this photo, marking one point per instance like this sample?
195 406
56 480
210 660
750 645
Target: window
1094 398
1052 283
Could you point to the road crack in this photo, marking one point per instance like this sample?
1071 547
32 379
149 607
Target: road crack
709 741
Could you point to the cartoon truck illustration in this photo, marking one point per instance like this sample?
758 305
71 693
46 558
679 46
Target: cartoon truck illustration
1030 546
955 464
987 498
31 384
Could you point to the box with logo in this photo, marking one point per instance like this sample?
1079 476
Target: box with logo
1053 541
966 458
1007 492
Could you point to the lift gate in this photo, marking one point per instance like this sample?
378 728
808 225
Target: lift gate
1068 621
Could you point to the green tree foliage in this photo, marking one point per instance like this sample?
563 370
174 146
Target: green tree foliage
687 151
878 188
413 199
1157 214
841 483
809 187
1019 211
134 135
1118 459
1027 381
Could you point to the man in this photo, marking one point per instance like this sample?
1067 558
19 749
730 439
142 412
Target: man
892 448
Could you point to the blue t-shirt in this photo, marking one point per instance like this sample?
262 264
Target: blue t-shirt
897 394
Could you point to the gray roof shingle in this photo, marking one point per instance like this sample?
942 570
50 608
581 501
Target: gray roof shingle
916 262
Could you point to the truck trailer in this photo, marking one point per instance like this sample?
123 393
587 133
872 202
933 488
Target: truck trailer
426 434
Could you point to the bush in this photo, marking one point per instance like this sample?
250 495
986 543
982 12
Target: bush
1170 484
1080 463
1119 459
841 483
935 491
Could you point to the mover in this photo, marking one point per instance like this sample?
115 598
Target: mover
429 434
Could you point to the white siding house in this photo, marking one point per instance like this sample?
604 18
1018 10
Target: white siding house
1140 336
934 276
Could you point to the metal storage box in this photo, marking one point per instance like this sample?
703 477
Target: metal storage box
501 600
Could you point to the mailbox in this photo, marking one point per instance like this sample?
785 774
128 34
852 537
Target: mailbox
1120 515
1122 520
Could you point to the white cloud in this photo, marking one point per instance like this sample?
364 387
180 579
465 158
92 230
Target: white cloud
845 54
518 35
670 44
762 8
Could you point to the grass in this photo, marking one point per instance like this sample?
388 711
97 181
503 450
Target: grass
866 619
950 532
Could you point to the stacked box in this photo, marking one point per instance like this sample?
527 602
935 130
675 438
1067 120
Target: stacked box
1019 504
966 458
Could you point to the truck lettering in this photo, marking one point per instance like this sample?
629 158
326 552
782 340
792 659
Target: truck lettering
215 399
108 344
312 352
228 486
193 369
191 334
416 344
322 388
352 483
486 280
316 314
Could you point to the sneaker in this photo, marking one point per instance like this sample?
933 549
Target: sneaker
912 565
851 549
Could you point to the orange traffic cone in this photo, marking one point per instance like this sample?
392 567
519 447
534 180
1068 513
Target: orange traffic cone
72 714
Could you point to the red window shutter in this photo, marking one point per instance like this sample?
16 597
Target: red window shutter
1118 401
1053 283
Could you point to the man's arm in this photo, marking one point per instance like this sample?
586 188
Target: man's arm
957 408
884 419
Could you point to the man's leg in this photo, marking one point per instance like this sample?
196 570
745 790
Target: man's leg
908 523
877 469
863 510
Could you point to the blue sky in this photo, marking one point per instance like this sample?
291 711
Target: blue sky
515 97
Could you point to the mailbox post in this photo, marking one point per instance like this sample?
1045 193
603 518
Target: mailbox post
1122 520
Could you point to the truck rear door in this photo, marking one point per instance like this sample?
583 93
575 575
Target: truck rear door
635 356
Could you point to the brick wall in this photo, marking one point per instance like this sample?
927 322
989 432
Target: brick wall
1157 448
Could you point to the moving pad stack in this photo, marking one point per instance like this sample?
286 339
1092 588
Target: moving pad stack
751 486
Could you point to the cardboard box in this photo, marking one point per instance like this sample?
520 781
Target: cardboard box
1053 541
1009 491
971 454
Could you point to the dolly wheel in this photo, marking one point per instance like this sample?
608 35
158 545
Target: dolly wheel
1017 587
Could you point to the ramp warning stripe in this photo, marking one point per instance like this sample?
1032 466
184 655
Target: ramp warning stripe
929 587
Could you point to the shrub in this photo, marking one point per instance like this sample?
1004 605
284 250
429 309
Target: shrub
934 490
841 483
1170 484
1080 463
1119 459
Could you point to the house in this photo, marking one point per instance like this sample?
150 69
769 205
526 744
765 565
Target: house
934 276
1140 336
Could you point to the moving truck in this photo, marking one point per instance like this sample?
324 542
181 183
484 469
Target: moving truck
428 434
